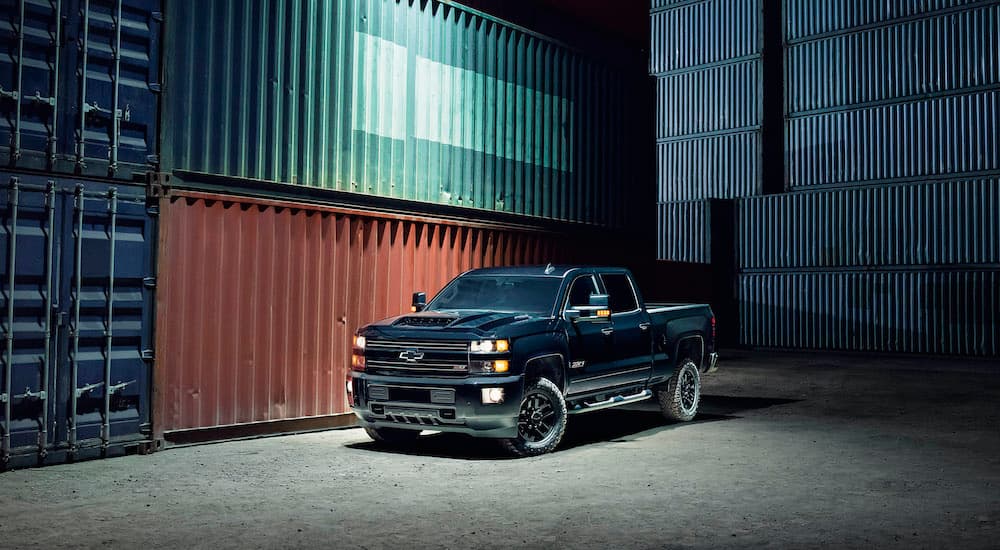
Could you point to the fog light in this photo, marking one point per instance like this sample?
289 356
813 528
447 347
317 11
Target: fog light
492 396
501 366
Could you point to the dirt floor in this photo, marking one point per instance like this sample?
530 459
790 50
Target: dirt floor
790 451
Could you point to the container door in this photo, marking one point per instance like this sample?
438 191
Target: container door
29 81
29 266
76 302
105 373
114 117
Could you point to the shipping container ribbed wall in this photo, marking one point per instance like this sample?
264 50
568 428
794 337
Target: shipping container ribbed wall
79 85
939 224
805 18
686 227
879 92
938 312
422 101
706 57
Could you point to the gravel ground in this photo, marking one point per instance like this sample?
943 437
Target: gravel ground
789 451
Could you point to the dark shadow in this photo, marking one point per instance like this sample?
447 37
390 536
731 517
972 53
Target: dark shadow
728 404
617 425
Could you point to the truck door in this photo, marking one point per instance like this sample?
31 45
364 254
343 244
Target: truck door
632 341
590 342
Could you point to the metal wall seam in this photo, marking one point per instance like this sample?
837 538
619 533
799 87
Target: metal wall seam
684 231
806 18
417 101
935 55
936 312
940 223
935 137
701 33
227 356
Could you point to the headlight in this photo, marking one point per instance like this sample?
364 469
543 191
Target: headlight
359 343
489 346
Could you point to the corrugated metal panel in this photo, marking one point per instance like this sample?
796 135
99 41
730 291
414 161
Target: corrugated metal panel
684 231
701 33
76 317
927 56
955 222
942 312
725 97
724 166
258 300
949 135
420 101
804 18
79 85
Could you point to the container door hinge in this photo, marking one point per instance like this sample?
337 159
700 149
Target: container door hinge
155 87
148 355
157 16
3 397
149 282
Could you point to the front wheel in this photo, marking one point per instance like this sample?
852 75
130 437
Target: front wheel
541 420
680 396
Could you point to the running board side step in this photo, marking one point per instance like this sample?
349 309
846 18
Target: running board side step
612 402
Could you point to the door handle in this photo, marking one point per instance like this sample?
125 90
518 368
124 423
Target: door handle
607 331
643 326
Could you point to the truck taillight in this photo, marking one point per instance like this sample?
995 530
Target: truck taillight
713 330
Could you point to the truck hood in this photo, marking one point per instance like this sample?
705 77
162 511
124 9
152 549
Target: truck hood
460 324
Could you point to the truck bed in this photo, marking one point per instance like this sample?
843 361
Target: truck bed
661 307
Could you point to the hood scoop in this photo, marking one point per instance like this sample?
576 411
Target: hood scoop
424 321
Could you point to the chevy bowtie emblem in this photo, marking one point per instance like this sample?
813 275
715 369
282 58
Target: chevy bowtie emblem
411 355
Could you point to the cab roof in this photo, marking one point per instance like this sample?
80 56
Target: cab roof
549 270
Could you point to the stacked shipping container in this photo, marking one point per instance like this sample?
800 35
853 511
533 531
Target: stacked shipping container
706 57
895 105
78 97
488 144
476 132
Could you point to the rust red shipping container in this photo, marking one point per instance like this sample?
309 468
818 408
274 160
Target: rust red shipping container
258 299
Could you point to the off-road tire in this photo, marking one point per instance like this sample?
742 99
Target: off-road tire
680 396
393 437
546 400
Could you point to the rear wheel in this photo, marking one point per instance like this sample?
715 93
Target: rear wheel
392 436
541 420
680 396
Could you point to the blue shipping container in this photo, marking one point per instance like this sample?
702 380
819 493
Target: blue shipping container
76 260
79 85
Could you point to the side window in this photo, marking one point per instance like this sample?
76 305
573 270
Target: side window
621 296
580 291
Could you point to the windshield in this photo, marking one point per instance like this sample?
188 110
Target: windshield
507 293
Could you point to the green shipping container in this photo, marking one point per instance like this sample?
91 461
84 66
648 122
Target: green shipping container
420 101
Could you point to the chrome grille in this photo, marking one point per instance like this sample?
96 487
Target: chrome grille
413 358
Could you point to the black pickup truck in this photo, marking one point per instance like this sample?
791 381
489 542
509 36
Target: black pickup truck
510 353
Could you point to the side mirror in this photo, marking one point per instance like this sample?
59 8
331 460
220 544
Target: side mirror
596 309
599 301
419 301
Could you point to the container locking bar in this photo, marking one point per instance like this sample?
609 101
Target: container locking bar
78 205
109 320
15 194
50 207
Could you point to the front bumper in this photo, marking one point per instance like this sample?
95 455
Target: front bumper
441 404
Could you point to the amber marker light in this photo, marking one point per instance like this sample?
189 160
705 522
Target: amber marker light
501 366
604 313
